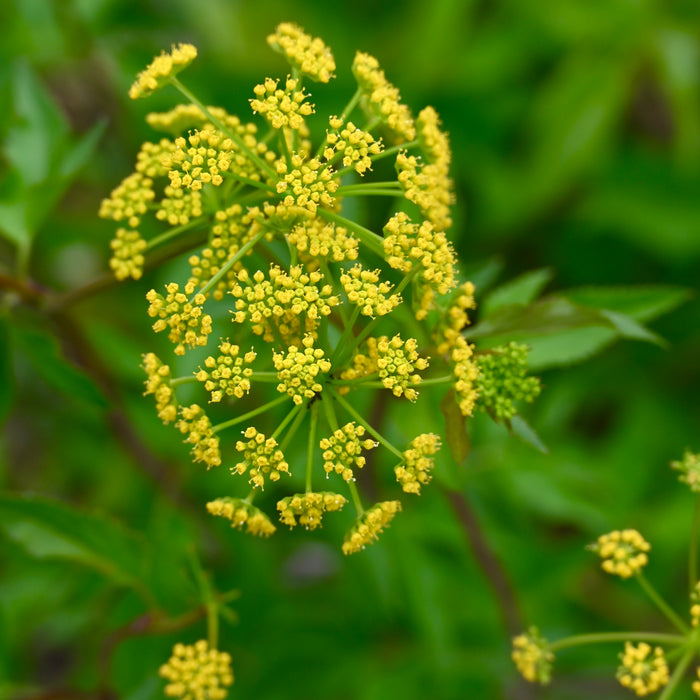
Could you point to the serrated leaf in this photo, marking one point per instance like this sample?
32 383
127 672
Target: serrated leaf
567 348
521 290
456 435
527 434
627 327
49 529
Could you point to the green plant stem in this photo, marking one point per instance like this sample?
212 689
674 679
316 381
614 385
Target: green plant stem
356 500
358 380
298 420
343 115
693 550
235 177
370 192
367 237
379 438
171 233
310 448
264 377
661 604
208 599
338 351
438 380
678 673
179 381
251 414
228 265
599 637
224 129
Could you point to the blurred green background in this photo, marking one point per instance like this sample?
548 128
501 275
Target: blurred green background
575 126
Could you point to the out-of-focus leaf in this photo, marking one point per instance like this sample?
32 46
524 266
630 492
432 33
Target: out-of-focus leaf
521 290
627 327
527 434
568 347
7 386
80 153
48 529
43 351
455 428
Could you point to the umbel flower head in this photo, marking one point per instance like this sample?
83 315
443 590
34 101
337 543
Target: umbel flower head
532 656
196 672
317 310
643 670
689 468
624 552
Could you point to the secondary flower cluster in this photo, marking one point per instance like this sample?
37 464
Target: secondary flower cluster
310 309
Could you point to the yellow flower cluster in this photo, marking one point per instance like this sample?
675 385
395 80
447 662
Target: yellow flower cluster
309 54
179 206
195 423
227 374
696 684
466 372
161 69
417 463
129 200
299 370
127 254
316 239
281 108
288 303
262 456
199 159
398 363
183 118
455 318
188 324
241 513
307 184
695 605
643 670
342 450
369 525
624 552
158 384
364 289
382 100
309 508
149 160
351 144
689 468
532 657
428 187
196 672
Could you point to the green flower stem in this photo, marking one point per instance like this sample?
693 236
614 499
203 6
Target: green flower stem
599 637
356 500
208 599
362 186
251 414
326 270
661 604
300 416
171 233
395 149
379 438
449 379
234 177
357 380
370 191
310 448
343 115
367 237
224 129
264 377
348 350
228 265
327 400
408 278
282 141
338 351
178 381
678 673
285 421
693 551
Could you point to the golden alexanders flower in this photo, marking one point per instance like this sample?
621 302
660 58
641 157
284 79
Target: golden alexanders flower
306 183
128 250
370 525
351 145
624 552
188 324
314 238
689 468
195 423
158 384
300 369
398 363
196 672
178 206
281 108
129 200
241 513
364 290
161 69
417 463
695 605
261 457
532 656
227 374
309 508
466 372
309 54
454 318
644 670
200 159
342 451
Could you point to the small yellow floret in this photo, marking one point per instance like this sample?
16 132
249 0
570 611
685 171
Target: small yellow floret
342 451
417 463
532 657
300 370
161 69
309 508
196 672
369 525
262 456
309 54
642 671
624 552
241 513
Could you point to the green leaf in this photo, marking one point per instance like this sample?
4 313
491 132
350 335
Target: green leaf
48 529
527 434
7 386
79 154
568 347
521 290
455 428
